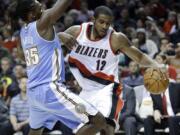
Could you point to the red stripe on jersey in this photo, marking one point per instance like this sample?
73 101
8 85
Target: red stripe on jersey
85 71
120 102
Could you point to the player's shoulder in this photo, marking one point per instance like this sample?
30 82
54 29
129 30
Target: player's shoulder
118 37
74 30
76 27
79 27
119 41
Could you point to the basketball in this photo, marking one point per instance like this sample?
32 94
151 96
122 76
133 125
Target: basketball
156 81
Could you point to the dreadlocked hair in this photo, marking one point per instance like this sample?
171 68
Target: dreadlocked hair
20 9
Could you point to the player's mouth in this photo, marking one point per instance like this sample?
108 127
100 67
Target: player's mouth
103 32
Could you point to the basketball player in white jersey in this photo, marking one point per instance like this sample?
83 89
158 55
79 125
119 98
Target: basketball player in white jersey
94 63
49 100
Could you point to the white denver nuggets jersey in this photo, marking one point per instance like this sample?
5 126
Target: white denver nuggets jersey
93 63
44 58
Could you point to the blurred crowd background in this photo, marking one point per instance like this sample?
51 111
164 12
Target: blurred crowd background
153 26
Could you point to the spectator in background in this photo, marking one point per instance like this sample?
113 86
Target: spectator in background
129 120
124 21
166 47
175 61
140 23
9 41
135 78
4 115
4 52
84 14
170 25
6 78
141 15
153 30
74 14
6 67
16 57
19 112
146 45
19 72
158 10
166 111
68 21
162 59
174 38
130 32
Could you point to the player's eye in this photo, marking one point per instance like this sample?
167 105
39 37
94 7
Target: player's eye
101 22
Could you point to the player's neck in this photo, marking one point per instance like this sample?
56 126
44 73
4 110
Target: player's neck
93 34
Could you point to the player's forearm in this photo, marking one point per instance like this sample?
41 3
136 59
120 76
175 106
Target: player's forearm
58 9
68 40
146 61
141 58
62 36
50 16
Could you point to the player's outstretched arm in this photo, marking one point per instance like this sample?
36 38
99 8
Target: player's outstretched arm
68 37
122 43
50 16
73 30
67 40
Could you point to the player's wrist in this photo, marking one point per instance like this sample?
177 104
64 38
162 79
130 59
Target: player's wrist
156 65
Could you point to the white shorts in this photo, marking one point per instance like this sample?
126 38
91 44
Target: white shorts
106 100
50 103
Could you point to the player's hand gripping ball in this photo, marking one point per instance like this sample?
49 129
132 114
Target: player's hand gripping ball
156 80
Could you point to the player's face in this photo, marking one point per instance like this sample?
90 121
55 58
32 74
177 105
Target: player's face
102 24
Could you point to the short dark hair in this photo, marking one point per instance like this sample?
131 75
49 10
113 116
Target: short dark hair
163 56
103 10
20 9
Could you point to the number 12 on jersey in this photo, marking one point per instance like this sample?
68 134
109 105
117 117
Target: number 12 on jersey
100 64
